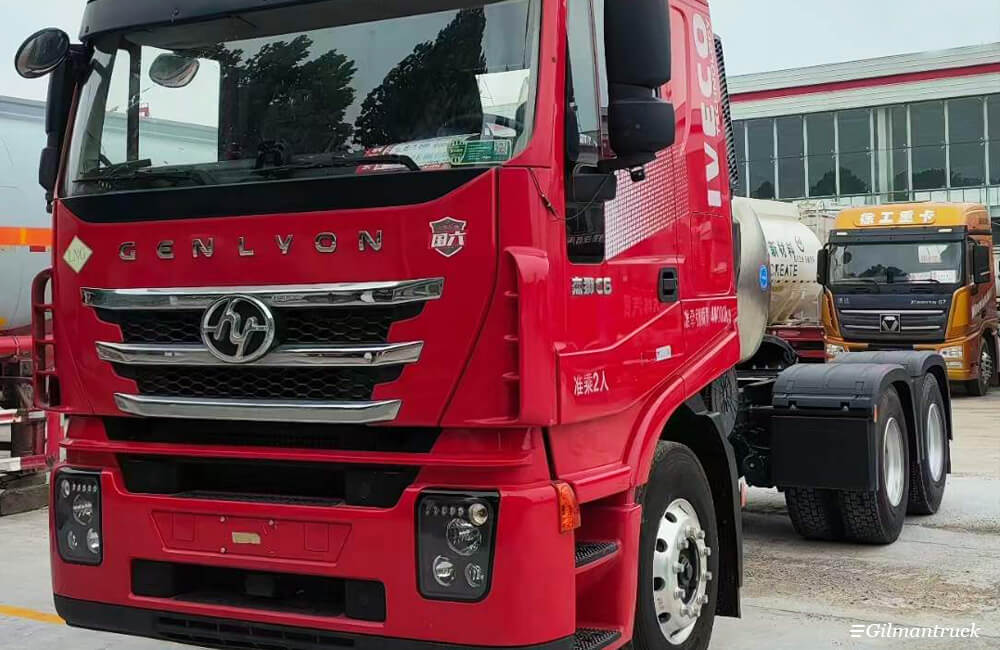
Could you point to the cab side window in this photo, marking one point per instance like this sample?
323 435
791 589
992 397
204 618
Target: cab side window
584 218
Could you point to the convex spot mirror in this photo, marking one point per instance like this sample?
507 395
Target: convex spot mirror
173 70
41 53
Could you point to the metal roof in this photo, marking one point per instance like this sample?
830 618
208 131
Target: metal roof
959 57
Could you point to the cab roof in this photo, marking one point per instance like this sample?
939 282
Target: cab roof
973 216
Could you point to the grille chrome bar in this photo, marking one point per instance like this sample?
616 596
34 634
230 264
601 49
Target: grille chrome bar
298 355
258 410
902 312
343 294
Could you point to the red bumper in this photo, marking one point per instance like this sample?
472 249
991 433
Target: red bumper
530 601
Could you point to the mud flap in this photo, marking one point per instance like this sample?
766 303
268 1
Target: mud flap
823 432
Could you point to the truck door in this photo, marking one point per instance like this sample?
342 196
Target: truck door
624 318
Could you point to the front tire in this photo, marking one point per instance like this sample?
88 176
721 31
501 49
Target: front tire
987 369
678 555
927 479
877 517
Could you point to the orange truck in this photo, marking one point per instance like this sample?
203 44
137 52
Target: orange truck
914 277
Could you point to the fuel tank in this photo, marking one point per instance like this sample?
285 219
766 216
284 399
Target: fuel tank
777 269
25 226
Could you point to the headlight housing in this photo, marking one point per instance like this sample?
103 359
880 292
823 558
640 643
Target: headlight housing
833 350
455 537
78 516
953 352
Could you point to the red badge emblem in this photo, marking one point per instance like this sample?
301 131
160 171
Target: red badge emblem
447 236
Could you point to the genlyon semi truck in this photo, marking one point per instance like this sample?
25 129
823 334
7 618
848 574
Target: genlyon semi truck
915 276
424 333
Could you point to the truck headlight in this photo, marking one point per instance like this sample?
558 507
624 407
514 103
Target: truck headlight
78 516
455 535
953 355
833 350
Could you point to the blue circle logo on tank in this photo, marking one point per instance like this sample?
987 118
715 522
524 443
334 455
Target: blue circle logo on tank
764 277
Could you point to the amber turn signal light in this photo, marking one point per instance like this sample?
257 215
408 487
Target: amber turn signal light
569 508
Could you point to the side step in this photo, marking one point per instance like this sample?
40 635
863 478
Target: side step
590 552
594 639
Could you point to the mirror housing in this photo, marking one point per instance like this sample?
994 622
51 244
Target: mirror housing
981 270
822 266
637 53
173 70
42 53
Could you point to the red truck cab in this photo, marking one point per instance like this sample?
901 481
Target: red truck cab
391 325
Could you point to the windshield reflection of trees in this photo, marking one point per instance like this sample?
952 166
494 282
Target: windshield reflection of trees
279 99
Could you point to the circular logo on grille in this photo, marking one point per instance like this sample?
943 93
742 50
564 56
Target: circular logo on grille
238 329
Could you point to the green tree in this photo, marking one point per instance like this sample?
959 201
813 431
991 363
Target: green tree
278 94
432 90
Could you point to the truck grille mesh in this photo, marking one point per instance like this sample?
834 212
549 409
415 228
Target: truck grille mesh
320 325
248 382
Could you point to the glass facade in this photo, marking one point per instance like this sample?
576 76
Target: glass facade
947 150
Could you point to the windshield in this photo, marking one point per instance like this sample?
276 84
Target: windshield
897 263
244 99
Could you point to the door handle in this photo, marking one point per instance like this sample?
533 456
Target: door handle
669 285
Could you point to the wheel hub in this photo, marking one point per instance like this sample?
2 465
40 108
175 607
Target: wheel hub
935 442
892 462
680 571
985 366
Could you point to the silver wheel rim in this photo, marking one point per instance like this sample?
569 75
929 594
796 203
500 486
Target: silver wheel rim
680 571
935 442
892 462
985 365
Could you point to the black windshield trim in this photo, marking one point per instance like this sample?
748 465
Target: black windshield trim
352 192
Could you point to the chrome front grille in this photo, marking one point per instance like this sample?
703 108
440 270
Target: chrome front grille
330 351
914 324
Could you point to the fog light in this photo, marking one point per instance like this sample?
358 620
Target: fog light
444 571
77 514
451 524
93 541
475 575
833 350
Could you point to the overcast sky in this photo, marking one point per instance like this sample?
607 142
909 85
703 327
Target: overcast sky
760 35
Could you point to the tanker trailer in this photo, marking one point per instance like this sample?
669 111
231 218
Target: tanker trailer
25 249
778 294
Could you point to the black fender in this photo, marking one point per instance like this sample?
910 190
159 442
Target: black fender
703 431
823 432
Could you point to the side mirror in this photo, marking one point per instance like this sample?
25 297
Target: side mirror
981 270
41 53
822 266
173 70
637 51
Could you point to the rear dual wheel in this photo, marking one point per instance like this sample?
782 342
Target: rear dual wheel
874 517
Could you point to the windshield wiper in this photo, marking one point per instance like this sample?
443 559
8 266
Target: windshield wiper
878 287
384 159
131 172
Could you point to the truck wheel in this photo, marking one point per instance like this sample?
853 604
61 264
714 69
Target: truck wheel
877 517
815 514
678 555
987 367
927 479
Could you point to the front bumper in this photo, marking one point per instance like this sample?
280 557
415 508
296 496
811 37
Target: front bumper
533 568
957 370
227 633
